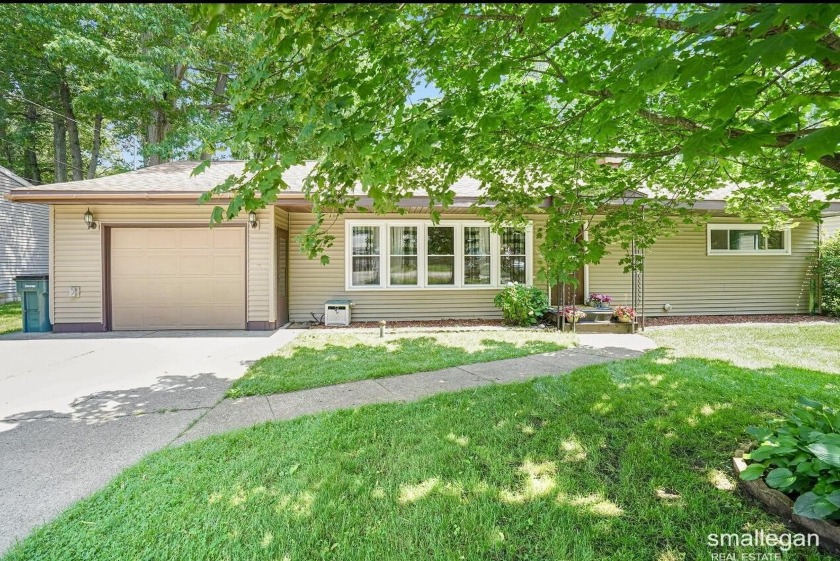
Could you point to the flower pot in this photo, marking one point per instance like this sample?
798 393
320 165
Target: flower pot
624 319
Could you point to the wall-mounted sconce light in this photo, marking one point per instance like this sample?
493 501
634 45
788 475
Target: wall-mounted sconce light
89 220
252 220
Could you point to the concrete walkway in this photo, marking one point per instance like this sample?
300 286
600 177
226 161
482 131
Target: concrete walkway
232 414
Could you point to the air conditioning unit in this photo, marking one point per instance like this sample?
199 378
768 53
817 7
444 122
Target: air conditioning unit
337 312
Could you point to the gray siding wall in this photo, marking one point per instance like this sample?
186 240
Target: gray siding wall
679 271
24 236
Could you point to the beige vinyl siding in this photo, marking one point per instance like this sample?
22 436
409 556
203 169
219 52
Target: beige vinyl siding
830 226
281 218
311 284
260 260
76 255
678 271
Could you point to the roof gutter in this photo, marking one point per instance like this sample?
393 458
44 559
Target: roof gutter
98 197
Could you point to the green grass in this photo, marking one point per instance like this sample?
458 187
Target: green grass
10 318
757 346
621 461
329 357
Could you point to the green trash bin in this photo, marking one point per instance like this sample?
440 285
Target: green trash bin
34 302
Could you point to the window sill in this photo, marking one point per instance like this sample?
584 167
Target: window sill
765 253
418 288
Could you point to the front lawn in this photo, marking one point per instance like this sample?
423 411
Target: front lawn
814 346
10 318
623 461
332 357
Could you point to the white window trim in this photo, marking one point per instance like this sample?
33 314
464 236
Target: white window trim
710 251
422 249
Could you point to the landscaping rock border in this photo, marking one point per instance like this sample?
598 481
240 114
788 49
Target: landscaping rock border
780 504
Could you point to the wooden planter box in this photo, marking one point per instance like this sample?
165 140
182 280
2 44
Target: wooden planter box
780 504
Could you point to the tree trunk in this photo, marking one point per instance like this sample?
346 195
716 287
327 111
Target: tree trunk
60 148
7 146
218 91
72 130
159 126
94 151
31 150
155 134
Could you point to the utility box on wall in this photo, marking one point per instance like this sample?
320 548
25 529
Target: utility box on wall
337 312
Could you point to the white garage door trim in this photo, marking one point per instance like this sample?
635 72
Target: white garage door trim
177 277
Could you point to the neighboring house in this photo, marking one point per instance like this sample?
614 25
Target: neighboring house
24 236
152 262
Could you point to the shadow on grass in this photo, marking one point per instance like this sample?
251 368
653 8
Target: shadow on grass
625 460
302 366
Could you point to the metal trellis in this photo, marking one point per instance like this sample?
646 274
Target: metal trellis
637 263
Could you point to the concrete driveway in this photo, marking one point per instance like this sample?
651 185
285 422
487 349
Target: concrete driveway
77 409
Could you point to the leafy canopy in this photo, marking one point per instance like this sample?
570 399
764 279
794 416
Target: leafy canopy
530 98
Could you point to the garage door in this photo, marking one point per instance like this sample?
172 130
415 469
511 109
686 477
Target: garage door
178 278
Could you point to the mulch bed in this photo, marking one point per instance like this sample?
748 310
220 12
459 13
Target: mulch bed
649 322
716 320
429 323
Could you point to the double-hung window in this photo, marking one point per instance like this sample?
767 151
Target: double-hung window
477 256
513 255
403 256
414 254
366 262
440 256
746 239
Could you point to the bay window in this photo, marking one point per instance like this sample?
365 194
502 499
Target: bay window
407 254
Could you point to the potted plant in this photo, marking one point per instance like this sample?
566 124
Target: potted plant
573 314
600 300
624 314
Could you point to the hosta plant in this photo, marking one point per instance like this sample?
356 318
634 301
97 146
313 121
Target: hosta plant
521 304
800 456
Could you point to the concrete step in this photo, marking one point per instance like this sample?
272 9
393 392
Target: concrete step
602 327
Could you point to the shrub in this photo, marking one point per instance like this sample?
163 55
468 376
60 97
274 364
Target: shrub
522 304
830 270
801 457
